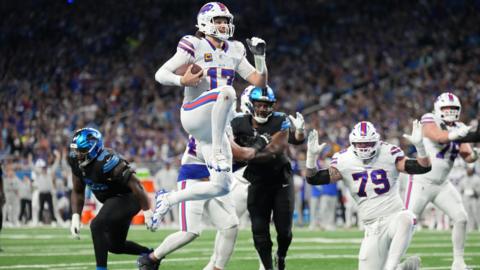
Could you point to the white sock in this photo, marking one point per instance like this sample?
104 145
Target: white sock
400 240
221 114
224 244
173 242
458 239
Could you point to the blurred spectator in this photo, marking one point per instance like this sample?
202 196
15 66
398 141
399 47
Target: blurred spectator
11 188
166 178
25 191
45 179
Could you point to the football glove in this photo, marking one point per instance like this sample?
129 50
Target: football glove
298 123
313 149
75 226
261 141
459 133
256 45
416 138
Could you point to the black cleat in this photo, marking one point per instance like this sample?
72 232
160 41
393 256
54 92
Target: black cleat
145 263
279 263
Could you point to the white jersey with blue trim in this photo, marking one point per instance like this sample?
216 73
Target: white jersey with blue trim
219 64
442 155
373 184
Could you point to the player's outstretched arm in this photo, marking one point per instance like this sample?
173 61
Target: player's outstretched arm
314 176
299 129
434 133
471 137
422 164
258 47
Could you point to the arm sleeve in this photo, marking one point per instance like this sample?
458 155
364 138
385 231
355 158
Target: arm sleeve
413 167
322 177
166 73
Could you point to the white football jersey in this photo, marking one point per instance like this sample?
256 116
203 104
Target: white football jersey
442 155
219 65
374 184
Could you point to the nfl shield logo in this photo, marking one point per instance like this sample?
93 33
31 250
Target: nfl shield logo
208 57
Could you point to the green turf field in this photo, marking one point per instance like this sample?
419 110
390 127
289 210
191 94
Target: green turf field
51 248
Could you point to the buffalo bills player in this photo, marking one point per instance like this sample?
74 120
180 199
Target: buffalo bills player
209 95
369 168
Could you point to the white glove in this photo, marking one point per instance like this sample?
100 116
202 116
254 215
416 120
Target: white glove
459 133
147 215
298 123
75 226
416 138
313 149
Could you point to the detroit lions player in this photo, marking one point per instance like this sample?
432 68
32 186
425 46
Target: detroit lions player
441 130
115 185
370 168
209 95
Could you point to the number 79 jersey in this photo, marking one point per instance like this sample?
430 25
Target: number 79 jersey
219 64
373 185
442 155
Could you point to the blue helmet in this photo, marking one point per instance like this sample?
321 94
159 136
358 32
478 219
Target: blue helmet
265 95
87 144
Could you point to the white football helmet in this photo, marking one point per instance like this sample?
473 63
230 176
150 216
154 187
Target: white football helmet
447 100
365 140
246 105
206 16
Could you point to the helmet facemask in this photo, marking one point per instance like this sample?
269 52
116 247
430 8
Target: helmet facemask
262 110
447 107
206 20
86 144
365 140
262 101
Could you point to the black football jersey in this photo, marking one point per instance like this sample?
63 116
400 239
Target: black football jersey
274 169
99 175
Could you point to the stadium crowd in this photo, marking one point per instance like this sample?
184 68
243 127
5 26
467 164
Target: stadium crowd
66 65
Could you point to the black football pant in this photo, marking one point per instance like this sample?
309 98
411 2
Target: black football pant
262 201
46 197
110 228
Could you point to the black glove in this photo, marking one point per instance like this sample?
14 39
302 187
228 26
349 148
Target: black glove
261 141
256 45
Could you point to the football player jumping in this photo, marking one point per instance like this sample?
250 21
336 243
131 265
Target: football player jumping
369 168
209 96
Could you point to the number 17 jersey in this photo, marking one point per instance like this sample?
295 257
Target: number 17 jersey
220 65
373 184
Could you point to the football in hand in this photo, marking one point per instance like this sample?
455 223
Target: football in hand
183 68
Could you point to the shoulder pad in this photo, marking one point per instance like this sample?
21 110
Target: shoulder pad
427 118
188 44
238 46
110 162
